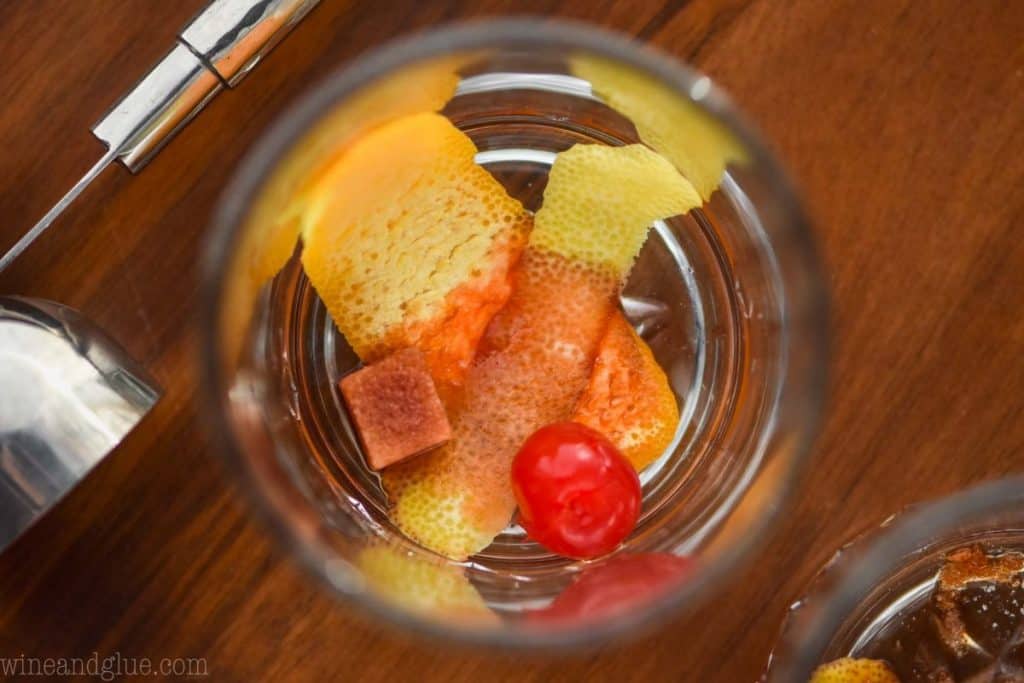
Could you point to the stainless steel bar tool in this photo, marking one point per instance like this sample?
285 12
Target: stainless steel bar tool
68 395
216 50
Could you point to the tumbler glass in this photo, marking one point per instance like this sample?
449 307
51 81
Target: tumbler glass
934 592
729 298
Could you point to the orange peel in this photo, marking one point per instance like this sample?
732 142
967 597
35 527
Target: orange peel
531 367
698 145
409 243
277 214
600 202
628 397
535 358
850 670
272 228
421 585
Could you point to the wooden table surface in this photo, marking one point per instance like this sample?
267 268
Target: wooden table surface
903 122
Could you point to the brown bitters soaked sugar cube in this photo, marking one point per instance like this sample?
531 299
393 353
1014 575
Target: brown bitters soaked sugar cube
396 408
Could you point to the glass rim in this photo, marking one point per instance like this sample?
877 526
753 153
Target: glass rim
272 145
885 548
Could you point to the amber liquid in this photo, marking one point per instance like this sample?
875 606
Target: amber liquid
968 628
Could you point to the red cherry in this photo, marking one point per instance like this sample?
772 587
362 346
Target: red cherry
578 495
622 583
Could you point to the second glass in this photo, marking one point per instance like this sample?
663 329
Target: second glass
934 594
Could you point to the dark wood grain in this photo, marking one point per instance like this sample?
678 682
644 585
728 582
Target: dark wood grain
903 121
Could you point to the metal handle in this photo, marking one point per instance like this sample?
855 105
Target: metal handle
159 106
218 48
